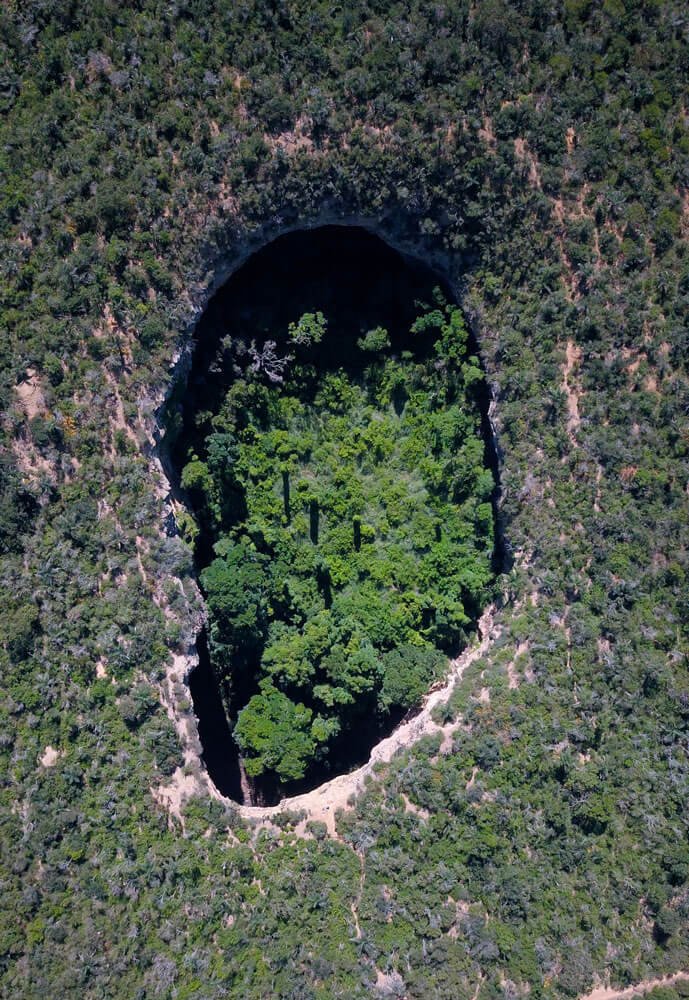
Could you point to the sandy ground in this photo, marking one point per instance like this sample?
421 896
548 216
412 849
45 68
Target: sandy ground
513 677
30 395
50 756
323 802
573 416
645 986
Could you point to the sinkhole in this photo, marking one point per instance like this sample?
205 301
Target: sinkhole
332 451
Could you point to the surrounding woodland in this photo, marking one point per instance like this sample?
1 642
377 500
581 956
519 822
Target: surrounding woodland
539 155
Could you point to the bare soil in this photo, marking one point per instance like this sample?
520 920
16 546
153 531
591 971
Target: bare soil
645 986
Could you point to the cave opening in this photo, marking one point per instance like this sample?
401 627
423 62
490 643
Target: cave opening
344 296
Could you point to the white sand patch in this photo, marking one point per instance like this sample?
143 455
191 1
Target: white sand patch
50 756
176 791
411 807
513 677
30 395
645 986
484 696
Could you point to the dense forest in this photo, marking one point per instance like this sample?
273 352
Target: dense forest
351 512
535 155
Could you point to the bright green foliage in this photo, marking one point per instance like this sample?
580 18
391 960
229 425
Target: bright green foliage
309 330
195 476
362 542
374 340
275 734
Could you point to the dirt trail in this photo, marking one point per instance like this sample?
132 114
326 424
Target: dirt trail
645 986
323 802
573 356
30 394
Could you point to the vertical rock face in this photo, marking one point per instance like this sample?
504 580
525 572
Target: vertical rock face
246 789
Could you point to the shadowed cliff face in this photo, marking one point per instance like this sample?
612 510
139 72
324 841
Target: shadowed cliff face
359 283
219 750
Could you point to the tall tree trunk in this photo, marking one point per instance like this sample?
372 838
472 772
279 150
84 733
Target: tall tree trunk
313 521
247 790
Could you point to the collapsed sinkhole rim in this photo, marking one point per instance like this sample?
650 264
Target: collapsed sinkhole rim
438 265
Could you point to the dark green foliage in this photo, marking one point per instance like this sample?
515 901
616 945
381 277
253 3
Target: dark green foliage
18 507
406 673
540 152
237 592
